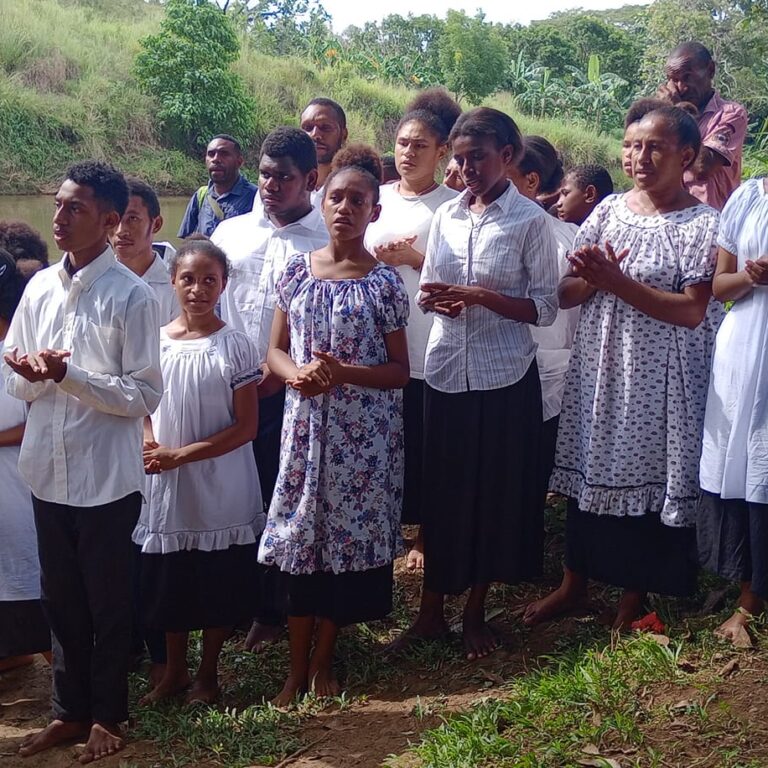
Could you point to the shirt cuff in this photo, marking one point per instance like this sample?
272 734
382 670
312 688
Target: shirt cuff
74 381
724 152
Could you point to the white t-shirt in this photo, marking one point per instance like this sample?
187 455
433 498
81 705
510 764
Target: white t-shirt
19 567
404 217
555 341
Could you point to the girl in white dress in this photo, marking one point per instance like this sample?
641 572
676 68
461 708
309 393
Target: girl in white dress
732 524
399 238
23 629
200 528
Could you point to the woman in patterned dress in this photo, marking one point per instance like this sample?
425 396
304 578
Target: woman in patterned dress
338 340
630 429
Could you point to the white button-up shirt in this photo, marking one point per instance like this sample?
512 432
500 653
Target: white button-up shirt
508 248
83 439
259 251
158 278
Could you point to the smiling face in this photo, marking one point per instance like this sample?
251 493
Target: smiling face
658 160
417 151
223 161
284 189
133 237
483 165
199 281
321 124
81 222
348 205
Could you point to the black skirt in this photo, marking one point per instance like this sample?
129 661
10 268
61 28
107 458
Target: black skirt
346 598
483 518
192 589
732 537
413 438
23 628
635 553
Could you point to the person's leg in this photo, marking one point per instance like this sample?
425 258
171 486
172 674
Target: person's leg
479 641
629 609
430 622
106 558
65 605
300 632
176 676
206 685
321 677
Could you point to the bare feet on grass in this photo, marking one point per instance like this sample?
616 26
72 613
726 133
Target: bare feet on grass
170 685
203 692
293 689
479 640
323 683
569 596
426 627
105 739
262 635
55 733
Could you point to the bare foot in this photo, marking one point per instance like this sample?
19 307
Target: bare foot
55 733
156 674
323 683
262 635
424 628
734 630
202 693
168 687
630 607
292 690
414 560
562 600
479 641
105 739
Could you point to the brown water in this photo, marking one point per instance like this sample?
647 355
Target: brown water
37 211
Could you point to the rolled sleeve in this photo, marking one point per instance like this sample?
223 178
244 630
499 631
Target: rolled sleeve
726 134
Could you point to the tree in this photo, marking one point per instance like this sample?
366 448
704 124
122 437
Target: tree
472 56
186 68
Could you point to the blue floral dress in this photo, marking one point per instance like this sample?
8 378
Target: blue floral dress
337 500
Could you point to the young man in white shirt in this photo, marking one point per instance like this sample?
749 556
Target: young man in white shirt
132 242
259 245
84 353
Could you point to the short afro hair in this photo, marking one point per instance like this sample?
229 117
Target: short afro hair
287 141
23 242
108 184
594 175
497 125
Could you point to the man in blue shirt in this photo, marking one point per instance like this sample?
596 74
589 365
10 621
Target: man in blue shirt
228 192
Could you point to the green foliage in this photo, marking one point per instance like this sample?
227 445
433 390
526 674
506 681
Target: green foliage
186 68
472 56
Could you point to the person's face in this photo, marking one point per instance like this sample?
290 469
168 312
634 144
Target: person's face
452 177
199 281
322 125
417 151
80 221
626 149
483 165
223 161
283 187
658 162
133 236
574 204
348 206
691 80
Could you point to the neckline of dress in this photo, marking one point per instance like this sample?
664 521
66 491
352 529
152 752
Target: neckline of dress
308 262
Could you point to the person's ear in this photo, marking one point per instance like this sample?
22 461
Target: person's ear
157 224
111 221
688 156
312 180
442 151
344 136
590 193
375 213
533 180
240 161
508 155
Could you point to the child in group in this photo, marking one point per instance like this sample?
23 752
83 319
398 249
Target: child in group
338 341
199 529
583 187
23 628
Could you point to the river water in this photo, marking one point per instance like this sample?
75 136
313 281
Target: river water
37 211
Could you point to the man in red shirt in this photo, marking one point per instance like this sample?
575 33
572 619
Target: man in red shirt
690 70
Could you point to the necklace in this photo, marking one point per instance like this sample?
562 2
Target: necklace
426 191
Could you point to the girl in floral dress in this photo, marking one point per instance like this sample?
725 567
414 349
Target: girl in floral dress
338 340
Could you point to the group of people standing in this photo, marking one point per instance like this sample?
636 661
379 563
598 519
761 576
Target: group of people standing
331 356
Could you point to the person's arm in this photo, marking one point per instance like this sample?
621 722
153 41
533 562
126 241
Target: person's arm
723 142
245 401
189 222
19 341
573 291
138 390
11 436
399 253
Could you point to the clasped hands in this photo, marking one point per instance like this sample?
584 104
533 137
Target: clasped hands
757 270
399 253
318 376
599 268
45 365
449 300
158 458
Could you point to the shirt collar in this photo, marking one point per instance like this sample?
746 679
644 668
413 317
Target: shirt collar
715 104
311 222
504 201
88 275
237 190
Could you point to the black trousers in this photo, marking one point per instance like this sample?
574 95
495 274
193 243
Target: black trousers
86 563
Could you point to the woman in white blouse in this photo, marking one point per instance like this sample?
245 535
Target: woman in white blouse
399 238
489 274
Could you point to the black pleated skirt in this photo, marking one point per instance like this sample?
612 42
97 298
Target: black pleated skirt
23 628
732 537
413 438
635 553
483 517
192 589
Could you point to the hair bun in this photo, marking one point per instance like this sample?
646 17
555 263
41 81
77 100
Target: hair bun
359 156
438 102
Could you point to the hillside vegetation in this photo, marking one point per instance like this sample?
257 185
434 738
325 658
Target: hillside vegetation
67 91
